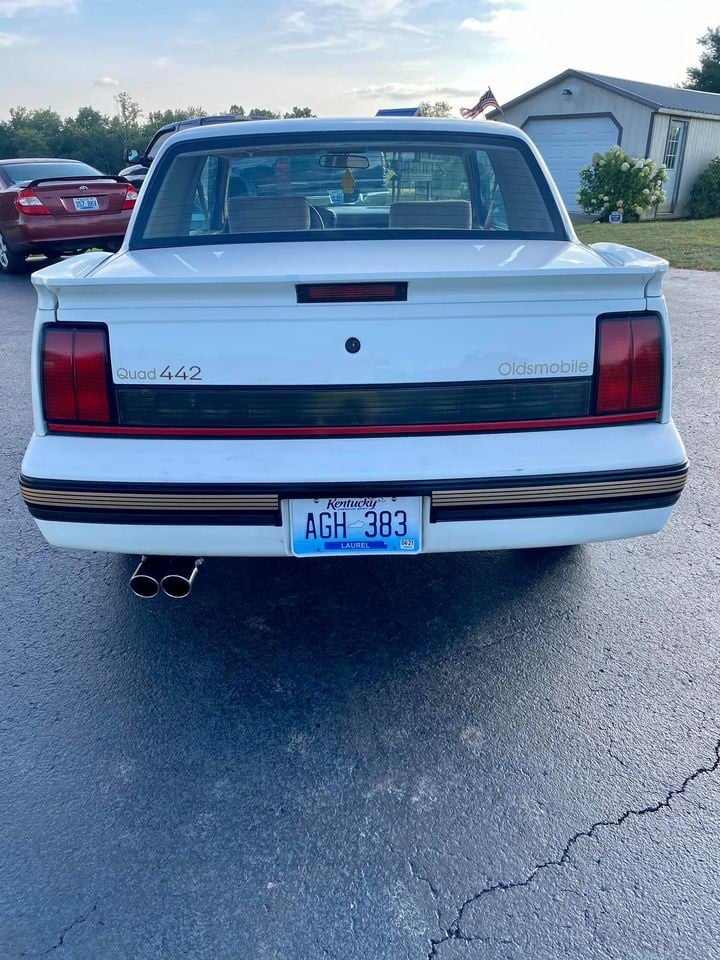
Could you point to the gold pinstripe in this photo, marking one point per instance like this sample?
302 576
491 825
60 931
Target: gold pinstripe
149 501
260 502
559 492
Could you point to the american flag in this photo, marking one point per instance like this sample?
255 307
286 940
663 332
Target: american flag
485 101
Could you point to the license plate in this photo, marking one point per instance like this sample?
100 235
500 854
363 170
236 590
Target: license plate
336 526
86 203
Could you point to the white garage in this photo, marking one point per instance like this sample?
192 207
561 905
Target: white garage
567 144
575 114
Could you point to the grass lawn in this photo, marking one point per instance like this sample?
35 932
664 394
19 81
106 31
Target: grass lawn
694 244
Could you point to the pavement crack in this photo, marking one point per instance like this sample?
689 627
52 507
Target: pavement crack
433 891
610 753
455 930
66 930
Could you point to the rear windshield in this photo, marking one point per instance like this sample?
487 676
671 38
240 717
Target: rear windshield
353 189
25 172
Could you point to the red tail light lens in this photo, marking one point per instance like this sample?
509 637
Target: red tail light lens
27 202
131 196
58 377
646 390
629 365
350 292
75 375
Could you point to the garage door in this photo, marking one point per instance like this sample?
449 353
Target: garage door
568 143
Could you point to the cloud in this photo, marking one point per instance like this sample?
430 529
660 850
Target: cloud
296 20
10 8
355 25
410 91
106 82
325 43
370 10
161 62
527 43
13 39
499 22
410 28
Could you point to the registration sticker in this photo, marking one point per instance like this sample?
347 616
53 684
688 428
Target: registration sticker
337 526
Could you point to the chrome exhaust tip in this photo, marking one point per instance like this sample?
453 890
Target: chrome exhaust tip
180 576
145 581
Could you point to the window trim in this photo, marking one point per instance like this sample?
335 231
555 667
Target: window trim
161 167
4 173
677 169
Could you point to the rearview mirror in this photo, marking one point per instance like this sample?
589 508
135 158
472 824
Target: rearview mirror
131 155
344 161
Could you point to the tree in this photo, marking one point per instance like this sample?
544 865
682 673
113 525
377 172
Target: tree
94 137
263 114
299 112
128 109
129 114
707 76
441 108
236 110
34 133
158 118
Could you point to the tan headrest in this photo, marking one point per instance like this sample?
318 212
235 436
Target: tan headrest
434 214
262 214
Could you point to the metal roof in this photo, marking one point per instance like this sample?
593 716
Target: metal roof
669 98
399 112
651 95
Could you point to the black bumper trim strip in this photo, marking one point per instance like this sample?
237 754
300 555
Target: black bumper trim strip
259 504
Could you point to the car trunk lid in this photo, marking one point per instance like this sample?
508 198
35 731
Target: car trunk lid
79 196
222 338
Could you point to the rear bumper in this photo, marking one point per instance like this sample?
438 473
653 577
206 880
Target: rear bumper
230 498
234 541
32 234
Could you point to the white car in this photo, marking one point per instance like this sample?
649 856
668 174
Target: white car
277 363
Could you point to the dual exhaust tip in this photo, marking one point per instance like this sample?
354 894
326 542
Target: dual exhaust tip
173 575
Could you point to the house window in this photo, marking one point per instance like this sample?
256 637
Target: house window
672 148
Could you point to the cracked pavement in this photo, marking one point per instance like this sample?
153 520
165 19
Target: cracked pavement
469 757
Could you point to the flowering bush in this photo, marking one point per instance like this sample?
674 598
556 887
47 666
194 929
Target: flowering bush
615 181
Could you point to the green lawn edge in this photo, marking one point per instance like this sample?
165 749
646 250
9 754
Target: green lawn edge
690 244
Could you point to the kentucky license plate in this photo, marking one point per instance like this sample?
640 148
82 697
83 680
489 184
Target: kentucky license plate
352 525
86 203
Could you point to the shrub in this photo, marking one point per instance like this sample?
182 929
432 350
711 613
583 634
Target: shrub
705 194
615 181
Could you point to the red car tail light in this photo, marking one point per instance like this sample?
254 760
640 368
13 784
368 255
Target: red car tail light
629 365
131 196
350 292
29 203
646 390
75 375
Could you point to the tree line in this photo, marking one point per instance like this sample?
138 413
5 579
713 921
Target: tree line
101 139
97 138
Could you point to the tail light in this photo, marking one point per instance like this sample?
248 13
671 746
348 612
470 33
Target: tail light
131 196
629 365
29 203
350 292
75 375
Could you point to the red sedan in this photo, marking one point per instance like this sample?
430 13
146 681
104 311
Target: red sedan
54 207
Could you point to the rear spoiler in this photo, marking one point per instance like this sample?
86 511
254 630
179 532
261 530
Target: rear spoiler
109 176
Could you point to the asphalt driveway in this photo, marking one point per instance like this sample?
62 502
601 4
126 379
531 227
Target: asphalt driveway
496 756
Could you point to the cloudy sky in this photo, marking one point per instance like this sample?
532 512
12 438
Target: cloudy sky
337 56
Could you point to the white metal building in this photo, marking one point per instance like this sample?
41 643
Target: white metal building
577 113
